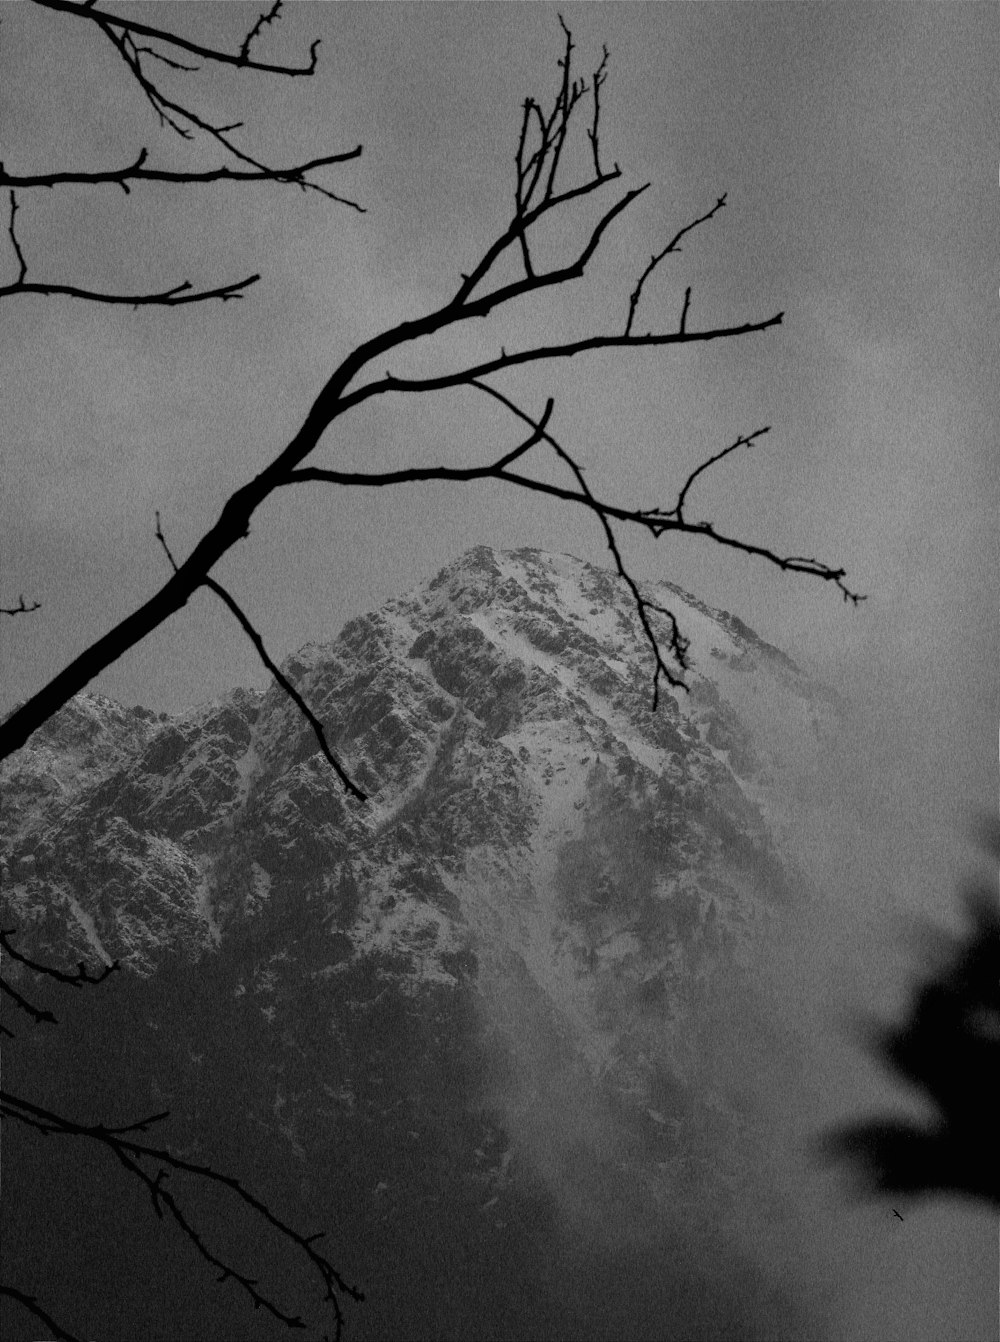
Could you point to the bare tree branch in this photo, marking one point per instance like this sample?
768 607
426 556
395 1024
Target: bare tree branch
174 114
21 608
77 980
657 257
475 372
31 1304
678 643
745 440
181 118
535 182
653 520
684 310
169 298
131 1154
263 20
288 687
179 294
274 669
241 59
600 75
137 172
22 264
38 1015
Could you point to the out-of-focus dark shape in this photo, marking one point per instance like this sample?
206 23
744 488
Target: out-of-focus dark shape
949 1049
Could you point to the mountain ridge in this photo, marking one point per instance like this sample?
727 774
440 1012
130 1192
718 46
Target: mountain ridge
513 979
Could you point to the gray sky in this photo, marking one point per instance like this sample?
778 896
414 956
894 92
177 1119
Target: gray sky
857 144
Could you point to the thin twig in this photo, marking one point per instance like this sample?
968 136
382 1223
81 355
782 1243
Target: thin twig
77 980
137 172
335 400
241 59
678 643
169 298
21 608
657 257
23 265
130 1154
288 687
272 666
265 18
39 1015
31 1304
745 440
655 521
466 376
168 111
600 75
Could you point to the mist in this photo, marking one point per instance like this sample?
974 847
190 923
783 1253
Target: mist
801 1253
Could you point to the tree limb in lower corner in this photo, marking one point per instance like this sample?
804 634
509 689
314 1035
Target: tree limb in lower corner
656 521
76 980
40 1015
131 1155
275 670
30 1303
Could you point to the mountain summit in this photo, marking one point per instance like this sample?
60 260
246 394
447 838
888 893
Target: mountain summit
488 714
524 951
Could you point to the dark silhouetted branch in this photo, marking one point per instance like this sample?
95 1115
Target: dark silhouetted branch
174 115
77 980
169 298
678 643
655 521
288 687
31 1304
263 20
38 1014
745 440
600 75
182 118
12 233
131 1154
21 608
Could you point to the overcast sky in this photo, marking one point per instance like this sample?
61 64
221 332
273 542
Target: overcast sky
857 145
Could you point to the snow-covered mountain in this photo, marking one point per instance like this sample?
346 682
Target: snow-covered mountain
506 976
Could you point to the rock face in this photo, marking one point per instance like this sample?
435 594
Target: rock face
495 993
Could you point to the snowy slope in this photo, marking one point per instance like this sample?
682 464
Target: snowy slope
544 865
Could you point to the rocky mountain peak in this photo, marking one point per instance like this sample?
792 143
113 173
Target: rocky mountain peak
478 710
548 900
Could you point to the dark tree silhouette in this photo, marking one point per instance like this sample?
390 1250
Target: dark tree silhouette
544 184
948 1050
539 160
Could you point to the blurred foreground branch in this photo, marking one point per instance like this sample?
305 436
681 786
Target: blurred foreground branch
948 1050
